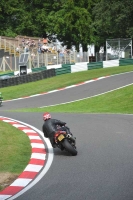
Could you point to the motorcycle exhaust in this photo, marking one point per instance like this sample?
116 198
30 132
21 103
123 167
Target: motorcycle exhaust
71 137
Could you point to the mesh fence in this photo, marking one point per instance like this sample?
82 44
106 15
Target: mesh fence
42 59
118 48
9 63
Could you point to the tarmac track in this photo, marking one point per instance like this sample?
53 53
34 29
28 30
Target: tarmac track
74 93
103 168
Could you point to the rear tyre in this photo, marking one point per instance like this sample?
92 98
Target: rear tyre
69 147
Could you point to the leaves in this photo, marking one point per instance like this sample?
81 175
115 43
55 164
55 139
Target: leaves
113 19
72 21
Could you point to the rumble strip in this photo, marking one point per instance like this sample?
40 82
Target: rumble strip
39 158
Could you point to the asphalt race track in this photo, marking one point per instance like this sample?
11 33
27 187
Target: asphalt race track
103 168
72 94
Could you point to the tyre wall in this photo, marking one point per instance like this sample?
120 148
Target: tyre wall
27 78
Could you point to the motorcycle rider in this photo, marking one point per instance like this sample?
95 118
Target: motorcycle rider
51 126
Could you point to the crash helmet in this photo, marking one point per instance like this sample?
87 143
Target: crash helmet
46 116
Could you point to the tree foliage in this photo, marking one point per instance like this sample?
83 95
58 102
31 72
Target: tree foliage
71 24
72 21
113 19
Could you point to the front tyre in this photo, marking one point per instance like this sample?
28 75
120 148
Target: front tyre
69 147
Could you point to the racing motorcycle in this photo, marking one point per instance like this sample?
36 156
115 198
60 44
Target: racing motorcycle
66 141
1 98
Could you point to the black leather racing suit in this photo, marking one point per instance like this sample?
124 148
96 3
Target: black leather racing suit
49 128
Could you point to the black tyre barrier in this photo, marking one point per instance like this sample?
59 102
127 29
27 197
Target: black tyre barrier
16 80
27 78
44 75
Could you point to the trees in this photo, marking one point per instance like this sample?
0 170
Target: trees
71 22
22 17
8 14
113 19
74 22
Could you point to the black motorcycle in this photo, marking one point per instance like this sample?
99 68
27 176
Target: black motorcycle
1 98
66 141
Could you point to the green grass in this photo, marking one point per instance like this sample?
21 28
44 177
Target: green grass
14 149
59 81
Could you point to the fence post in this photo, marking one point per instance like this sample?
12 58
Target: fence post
4 43
65 57
3 62
37 59
57 59
70 58
15 63
29 61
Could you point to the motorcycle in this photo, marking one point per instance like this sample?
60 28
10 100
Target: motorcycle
1 98
65 141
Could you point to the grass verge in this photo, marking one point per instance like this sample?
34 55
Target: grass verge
15 150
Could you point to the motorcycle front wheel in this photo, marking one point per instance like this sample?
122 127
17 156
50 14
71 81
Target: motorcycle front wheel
69 147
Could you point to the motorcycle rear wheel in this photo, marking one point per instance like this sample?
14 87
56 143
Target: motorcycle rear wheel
69 148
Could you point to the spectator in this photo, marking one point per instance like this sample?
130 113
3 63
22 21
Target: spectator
46 40
28 42
44 48
53 48
26 49
33 43
39 43
39 49
61 56
23 42
68 51
17 49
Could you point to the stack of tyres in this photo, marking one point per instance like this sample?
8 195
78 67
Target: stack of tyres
26 78
38 76
30 77
11 82
44 73
16 80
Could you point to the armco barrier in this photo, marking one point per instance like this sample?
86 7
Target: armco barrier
66 65
38 69
78 67
95 65
7 74
63 70
27 78
110 63
123 62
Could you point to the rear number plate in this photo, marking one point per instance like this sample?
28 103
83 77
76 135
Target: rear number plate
61 137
